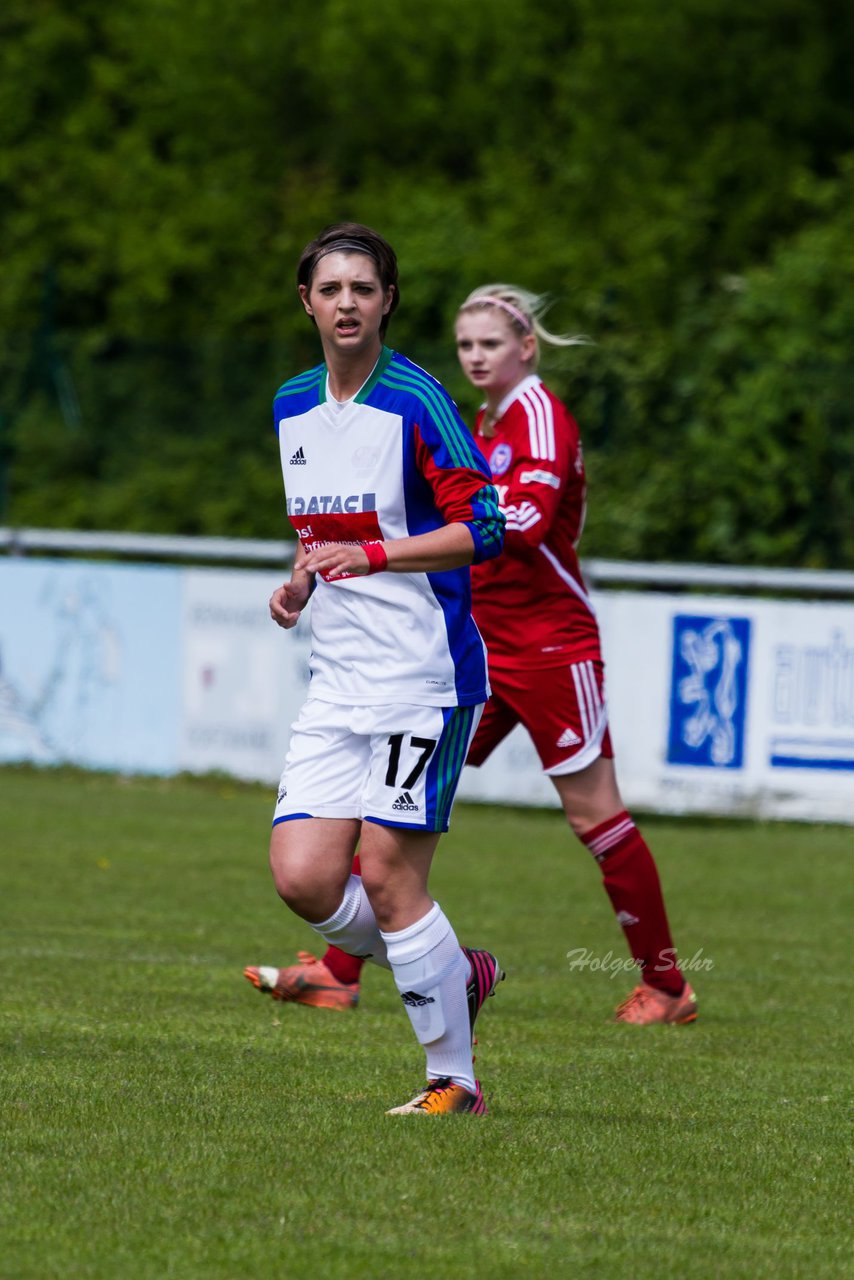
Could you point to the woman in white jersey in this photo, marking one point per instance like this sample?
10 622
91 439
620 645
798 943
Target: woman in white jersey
391 502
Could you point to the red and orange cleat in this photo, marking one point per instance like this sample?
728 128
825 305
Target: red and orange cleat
308 982
647 1005
443 1097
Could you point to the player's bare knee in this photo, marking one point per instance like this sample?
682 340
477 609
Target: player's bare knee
300 889
382 900
578 826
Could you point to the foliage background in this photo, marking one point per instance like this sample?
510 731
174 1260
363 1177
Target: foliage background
680 180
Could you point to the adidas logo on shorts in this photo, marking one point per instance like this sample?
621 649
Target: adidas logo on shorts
404 801
298 459
568 739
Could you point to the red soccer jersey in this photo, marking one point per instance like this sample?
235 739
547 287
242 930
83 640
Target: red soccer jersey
531 604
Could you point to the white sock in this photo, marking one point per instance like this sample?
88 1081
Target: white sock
353 928
431 972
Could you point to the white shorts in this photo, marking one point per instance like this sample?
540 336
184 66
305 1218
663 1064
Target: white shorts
395 765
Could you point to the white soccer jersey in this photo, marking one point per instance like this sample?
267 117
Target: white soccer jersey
393 462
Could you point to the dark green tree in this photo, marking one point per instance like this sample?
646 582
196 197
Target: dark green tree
676 179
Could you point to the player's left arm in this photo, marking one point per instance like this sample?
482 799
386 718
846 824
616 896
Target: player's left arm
461 482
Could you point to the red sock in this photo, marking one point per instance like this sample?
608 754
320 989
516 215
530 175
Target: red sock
344 967
632 884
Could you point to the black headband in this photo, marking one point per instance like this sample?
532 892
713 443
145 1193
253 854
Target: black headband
344 246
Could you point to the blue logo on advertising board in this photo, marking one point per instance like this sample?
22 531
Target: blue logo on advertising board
708 691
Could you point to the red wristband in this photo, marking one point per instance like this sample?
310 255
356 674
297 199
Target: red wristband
377 558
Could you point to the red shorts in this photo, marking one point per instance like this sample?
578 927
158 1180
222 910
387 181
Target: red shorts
563 709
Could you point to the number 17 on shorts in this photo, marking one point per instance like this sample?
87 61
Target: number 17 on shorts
395 765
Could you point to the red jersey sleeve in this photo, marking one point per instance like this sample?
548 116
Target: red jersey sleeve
463 492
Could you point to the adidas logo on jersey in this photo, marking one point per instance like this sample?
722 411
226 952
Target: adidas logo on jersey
415 999
298 459
626 918
568 739
405 801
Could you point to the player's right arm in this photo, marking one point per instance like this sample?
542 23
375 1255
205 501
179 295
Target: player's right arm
288 601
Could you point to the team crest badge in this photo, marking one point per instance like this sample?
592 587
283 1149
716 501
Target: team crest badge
502 456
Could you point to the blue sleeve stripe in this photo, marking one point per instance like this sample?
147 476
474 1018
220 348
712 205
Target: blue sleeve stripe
454 434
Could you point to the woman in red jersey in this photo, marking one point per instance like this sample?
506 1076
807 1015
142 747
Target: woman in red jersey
534 611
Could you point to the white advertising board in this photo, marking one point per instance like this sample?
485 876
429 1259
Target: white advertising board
90 664
720 705
244 678
717 705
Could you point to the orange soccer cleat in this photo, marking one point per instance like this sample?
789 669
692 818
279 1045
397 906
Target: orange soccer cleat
308 982
647 1005
443 1097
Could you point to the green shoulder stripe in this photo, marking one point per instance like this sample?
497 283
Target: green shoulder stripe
453 432
302 382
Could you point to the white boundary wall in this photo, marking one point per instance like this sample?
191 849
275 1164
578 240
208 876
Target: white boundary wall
726 705
719 705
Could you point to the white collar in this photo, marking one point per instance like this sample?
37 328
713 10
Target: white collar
532 380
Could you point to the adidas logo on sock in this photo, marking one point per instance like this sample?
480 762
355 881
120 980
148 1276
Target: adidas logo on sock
568 739
415 999
625 917
405 801
298 460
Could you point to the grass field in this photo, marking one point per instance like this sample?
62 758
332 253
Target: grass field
160 1119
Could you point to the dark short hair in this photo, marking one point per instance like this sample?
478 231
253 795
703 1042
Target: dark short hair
353 237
